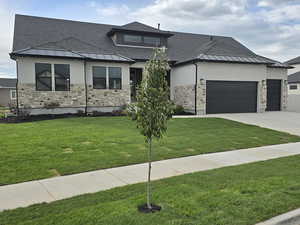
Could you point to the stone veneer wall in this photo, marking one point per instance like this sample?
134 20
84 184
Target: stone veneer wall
30 98
262 101
284 96
184 95
107 97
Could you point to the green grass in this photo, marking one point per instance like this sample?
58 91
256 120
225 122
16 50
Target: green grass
240 195
36 150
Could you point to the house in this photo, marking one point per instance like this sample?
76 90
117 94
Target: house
8 93
69 66
294 76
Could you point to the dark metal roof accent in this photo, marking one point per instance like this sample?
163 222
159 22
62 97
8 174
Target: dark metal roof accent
71 54
8 83
294 78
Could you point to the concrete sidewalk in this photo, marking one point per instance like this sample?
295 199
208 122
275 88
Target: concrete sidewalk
48 190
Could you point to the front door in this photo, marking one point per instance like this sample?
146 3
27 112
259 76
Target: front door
273 95
136 76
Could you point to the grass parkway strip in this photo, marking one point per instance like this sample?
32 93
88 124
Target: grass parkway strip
238 195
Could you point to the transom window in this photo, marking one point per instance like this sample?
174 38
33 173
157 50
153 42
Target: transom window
132 38
52 77
293 87
107 77
142 40
152 41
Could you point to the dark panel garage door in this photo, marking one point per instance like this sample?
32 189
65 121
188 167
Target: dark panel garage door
231 96
273 95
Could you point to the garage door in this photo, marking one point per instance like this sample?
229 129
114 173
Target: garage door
231 96
273 95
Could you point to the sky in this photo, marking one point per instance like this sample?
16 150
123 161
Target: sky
268 27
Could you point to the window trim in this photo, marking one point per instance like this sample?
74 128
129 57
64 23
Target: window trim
118 78
105 78
51 79
11 94
107 86
53 76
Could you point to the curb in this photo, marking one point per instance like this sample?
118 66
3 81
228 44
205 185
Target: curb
290 218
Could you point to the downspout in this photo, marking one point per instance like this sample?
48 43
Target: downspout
17 92
86 91
196 82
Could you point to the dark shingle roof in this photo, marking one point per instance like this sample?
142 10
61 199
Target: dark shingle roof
81 37
294 78
8 83
293 61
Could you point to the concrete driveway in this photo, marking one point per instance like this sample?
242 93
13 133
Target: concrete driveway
282 121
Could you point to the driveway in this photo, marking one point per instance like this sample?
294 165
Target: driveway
282 121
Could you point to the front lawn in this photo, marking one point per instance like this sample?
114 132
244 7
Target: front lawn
240 195
36 150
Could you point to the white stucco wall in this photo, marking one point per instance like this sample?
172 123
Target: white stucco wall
26 69
183 75
138 65
231 71
277 73
296 69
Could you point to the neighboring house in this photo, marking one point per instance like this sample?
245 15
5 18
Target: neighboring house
295 63
294 83
72 66
8 94
294 76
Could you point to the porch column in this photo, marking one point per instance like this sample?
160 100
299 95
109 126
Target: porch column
201 97
262 94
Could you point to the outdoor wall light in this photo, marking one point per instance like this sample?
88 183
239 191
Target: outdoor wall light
201 81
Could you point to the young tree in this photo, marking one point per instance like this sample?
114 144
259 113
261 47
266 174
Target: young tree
153 109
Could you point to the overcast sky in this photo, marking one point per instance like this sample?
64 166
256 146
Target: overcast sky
268 27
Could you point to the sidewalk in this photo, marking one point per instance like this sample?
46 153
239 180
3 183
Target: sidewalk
52 189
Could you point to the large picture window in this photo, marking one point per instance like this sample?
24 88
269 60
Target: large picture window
62 77
99 77
43 77
115 77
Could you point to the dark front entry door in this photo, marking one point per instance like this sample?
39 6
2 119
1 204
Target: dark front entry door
231 96
273 95
136 75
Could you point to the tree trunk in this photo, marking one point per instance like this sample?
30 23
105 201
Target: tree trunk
149 174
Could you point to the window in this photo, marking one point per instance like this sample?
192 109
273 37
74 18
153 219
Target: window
62 77
43 77
132 38
293 87
115 77
154 41
99 77
13 94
